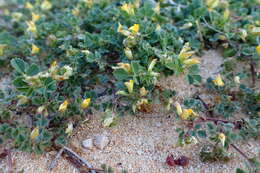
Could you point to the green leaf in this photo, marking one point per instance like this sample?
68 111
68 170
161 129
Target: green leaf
19 65
120 74
202 133
240 170
135 67
20 83
32 70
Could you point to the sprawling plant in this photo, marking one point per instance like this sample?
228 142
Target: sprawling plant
72 56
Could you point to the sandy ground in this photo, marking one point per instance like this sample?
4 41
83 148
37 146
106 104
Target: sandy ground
140 144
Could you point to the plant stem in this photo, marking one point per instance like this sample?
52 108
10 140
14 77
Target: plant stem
253 72
240 152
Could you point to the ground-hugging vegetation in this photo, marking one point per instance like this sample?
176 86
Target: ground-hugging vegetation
63 56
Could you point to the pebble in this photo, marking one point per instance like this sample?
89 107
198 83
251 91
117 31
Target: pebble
88 143
101 141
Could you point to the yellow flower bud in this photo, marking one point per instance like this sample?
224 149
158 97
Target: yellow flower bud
128 53
158 28
152 64
186 25
85 103
243 34
218 81
178 108
157 8
237 79
35 49
211 4
143 91
34 133
185 53
28 5
40 109
75 11
121 93
46 5
63 107
125 66
22 100
31 27
186 113
128 8
69 129
134 29
2 48
130 86
191 61
222 37
258 49
141 103
17 16
226 14
35 17
122 31
222 138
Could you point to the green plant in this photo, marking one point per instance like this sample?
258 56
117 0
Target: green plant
63 57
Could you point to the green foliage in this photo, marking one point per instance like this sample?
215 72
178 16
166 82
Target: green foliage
63 53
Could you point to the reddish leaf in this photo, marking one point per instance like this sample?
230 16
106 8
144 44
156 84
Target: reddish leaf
182 161
170 160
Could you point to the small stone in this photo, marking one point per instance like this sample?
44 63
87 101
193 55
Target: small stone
101 141
158 124
88 143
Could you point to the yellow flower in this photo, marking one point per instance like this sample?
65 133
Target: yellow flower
75 11
28 5
34 133
63 107
186 25
258 49
158 28
22 100
121 93
141 103
31 27
89 3
178 108
254 30
125 66
218 81
185 52
191 61
69 129
143 91
187 113
35 49
128 8
2 48
46 5
157 8
17 16
54 64
130 86
85 103
211 4
243 34
134 29
237 79
151 65
35 17
226 14
40 109
222 138
128 53
122 31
